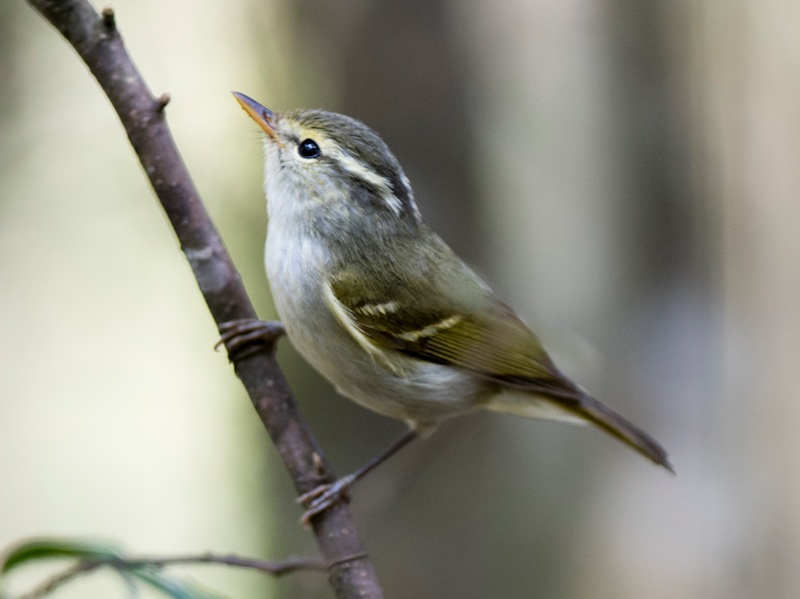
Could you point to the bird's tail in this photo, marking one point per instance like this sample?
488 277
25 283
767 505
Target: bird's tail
623 429
579 407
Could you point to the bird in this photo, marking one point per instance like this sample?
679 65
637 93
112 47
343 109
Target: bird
382 307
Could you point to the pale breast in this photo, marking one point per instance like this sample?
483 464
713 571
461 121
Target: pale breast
418 391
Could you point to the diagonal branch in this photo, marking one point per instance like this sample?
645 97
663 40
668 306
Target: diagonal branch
99 44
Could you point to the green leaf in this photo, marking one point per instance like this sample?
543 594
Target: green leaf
52 548
34 550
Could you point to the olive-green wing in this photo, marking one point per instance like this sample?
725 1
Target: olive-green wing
473 331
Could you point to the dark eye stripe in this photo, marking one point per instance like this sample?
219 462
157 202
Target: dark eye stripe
399 189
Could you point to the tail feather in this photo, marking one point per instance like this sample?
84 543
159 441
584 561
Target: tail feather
573 405
620 427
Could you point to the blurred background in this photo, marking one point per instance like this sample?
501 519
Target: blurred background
625 174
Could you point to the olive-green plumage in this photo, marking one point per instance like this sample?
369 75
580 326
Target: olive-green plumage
380 305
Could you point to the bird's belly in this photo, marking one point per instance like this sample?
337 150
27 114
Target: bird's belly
420 392
415 391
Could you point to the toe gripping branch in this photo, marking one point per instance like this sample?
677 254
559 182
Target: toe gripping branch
245 337
324 496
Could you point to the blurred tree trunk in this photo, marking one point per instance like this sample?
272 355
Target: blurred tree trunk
597 234
751 110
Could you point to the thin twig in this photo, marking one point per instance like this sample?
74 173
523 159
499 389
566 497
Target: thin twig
52 583
86 566
97 40
286 566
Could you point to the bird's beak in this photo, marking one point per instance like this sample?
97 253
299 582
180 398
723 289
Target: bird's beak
262 115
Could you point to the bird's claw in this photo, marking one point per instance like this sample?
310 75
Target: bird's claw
320 498
246 336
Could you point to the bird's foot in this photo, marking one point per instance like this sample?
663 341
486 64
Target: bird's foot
324 496
246 336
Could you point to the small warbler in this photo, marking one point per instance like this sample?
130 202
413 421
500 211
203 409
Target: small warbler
382 307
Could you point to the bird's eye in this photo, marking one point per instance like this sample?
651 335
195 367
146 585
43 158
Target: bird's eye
308 148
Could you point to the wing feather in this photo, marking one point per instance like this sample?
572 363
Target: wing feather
487 338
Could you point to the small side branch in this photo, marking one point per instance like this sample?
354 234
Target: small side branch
280 568
122 564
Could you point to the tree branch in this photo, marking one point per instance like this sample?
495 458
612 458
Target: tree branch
99 44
